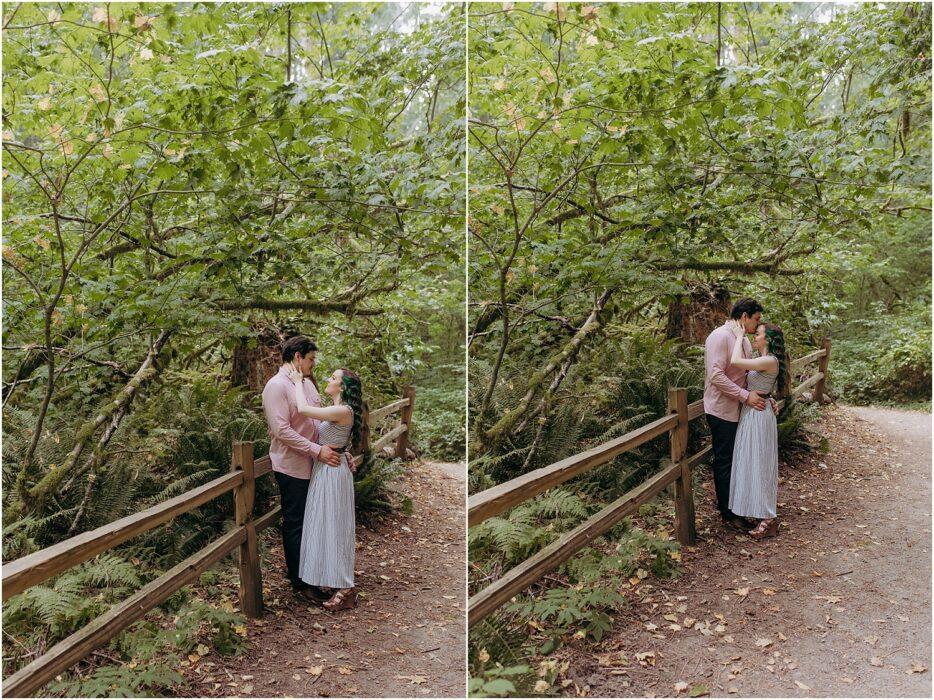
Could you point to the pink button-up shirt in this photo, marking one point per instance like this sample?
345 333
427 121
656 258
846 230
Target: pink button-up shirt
724 384
292 448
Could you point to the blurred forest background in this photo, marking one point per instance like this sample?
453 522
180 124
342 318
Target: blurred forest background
635 169
184 185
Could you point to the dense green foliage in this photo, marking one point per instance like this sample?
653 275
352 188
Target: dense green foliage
628 161
179 179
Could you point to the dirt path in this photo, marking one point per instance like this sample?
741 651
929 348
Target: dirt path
405 638
837 605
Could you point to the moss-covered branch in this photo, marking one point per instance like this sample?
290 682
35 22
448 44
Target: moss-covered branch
564 358
318 307
111 412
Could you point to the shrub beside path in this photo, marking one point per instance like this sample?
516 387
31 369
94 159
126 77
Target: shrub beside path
404 639
838 605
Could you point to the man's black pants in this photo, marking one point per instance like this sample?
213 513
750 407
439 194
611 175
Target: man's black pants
723 437
293 492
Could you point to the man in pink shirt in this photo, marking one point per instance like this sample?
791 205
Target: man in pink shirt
724 392
293 448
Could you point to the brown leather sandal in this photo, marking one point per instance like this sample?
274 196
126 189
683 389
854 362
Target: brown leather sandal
765 528
342 600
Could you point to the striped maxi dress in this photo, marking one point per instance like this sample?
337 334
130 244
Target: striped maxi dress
754 476
328 548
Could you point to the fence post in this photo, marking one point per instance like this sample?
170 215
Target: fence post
402 442
251 582
822 367
684 494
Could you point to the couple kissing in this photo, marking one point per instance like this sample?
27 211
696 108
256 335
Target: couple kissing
740 393
309 449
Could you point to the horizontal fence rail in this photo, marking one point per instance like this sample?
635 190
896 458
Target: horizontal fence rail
495 500
38 567
35 568
509 494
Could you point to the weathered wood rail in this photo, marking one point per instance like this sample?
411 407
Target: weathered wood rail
500 498
39 566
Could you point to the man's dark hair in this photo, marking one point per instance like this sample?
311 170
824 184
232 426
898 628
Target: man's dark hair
745 306
299 344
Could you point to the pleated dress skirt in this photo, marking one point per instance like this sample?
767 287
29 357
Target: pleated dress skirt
328 535
754 478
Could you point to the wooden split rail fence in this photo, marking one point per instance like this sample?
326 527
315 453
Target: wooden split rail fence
39 566
500 498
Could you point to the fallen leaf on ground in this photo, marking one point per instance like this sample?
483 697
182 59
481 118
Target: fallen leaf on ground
918 668
344 671
802 685
699 690
645 657
314 670
875 661
762 642
414 680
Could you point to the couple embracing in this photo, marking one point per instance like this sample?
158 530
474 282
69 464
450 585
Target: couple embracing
309 449
740 393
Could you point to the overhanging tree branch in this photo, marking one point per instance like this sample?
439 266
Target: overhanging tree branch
318 307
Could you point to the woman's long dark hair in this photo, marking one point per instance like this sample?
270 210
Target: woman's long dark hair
352 395
775 345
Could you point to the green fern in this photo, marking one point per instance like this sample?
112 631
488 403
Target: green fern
105 570
125 681
184 483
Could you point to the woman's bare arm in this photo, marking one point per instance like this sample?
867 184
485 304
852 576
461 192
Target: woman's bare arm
767 363
342 415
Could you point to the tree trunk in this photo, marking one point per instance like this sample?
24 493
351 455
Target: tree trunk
693 317
257 357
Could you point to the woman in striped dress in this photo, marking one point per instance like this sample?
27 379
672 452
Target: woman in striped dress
754 478
328 546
